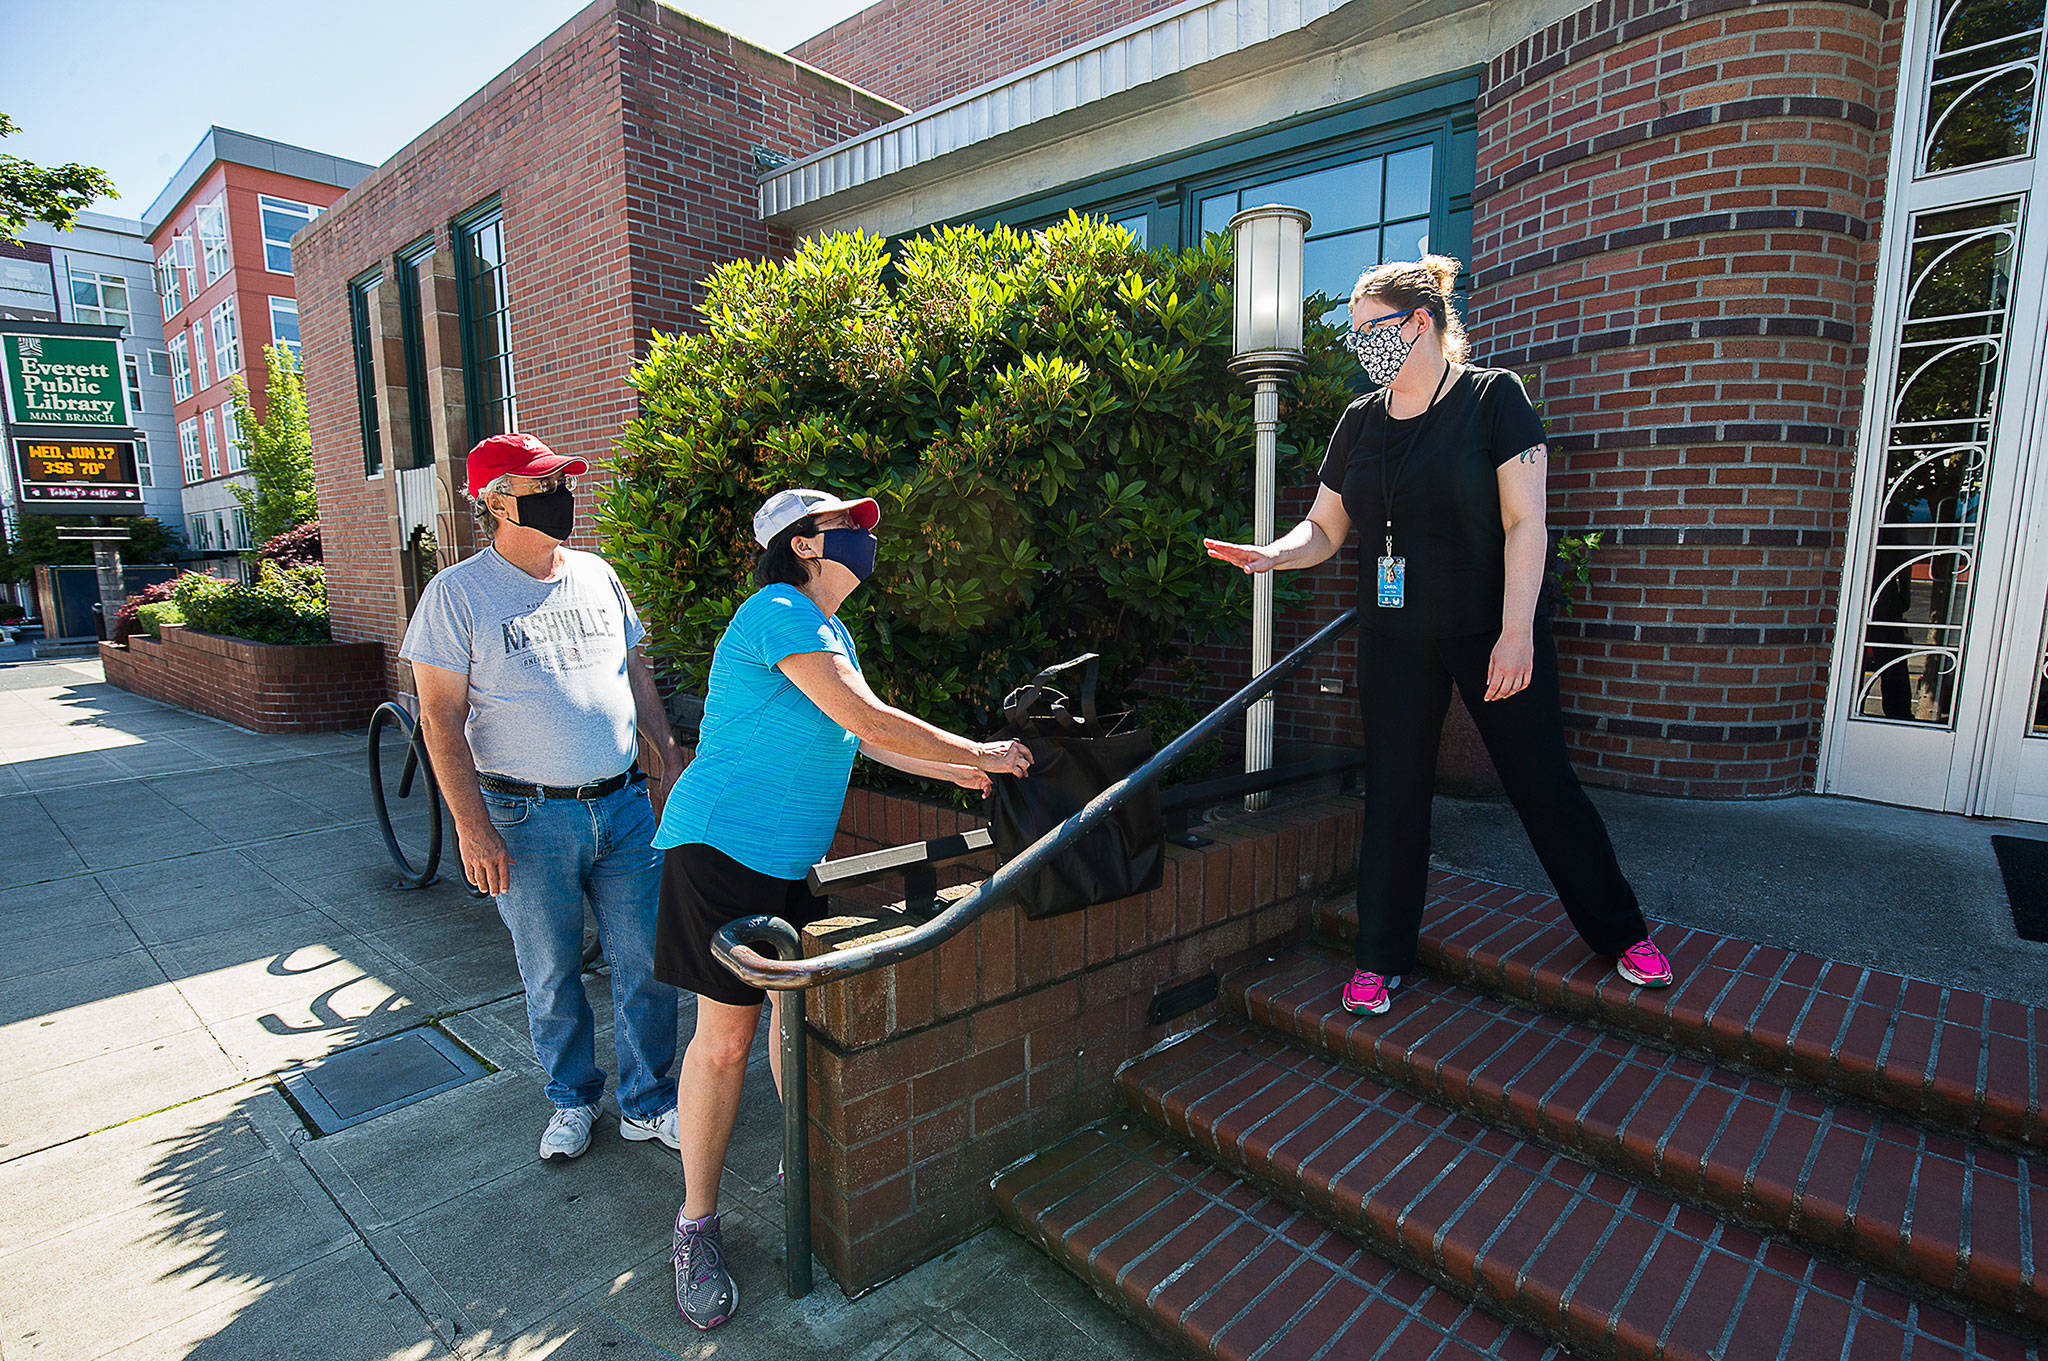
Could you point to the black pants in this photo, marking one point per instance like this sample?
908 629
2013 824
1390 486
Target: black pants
1404 690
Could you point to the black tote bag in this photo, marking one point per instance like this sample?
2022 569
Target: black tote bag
1073 760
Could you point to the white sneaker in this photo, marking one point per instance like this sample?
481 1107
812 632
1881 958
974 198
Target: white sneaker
568 1133
662 1127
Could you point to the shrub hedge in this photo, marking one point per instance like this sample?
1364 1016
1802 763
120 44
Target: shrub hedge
1047 419
152 618
283 605
128 619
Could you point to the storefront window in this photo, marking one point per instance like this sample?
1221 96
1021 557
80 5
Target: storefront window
414 269
362 296
487 326
1361 212
1386 179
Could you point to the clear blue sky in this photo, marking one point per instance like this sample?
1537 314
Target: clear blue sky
131 85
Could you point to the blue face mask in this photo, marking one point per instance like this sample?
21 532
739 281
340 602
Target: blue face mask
853 549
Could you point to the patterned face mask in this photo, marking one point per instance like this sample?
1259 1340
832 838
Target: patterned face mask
1380 349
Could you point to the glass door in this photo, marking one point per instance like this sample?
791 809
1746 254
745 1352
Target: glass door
1928 681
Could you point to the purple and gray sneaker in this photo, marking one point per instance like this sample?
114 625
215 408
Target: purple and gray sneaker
706 1294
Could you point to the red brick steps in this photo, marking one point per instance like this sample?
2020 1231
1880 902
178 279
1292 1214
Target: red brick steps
1609 1268
1778 1158
1936 1054
1953 1218
1221 1270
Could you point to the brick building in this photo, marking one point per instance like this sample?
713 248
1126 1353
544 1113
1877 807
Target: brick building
1821 566
505 269
221 233
1672 216
1763 263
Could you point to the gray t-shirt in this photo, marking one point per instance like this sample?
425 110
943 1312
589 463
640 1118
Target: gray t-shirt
549 699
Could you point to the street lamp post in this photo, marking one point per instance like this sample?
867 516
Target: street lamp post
1266 349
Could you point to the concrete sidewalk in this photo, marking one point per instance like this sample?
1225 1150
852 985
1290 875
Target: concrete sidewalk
187 909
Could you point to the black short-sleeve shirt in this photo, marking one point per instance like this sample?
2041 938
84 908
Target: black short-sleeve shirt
1446 497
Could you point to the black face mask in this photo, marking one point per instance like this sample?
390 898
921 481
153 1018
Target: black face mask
552 513
853 549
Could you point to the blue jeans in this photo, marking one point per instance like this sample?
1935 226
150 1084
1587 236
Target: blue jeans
563 849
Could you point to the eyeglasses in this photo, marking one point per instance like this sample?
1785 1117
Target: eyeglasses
1354 339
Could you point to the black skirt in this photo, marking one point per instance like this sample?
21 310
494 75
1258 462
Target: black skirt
702 889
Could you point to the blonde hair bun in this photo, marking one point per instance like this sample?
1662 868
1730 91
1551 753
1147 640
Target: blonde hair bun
1444 267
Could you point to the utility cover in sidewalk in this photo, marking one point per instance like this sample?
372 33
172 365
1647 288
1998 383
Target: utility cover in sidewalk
366 1080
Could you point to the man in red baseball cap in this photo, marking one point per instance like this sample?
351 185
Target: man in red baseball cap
535 700
516 455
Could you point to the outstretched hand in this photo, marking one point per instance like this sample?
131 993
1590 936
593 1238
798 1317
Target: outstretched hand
1250 557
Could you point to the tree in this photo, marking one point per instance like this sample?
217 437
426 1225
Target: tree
35 544
280 449
29 193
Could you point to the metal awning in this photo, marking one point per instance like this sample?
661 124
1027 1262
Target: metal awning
1165 44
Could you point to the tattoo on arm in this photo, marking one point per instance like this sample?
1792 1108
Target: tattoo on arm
1534 452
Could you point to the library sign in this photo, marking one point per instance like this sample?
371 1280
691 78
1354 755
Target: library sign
69 476
64 380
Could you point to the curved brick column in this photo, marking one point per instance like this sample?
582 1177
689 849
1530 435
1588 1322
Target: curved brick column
1674 223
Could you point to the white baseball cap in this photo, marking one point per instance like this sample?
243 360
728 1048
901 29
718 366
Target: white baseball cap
785 508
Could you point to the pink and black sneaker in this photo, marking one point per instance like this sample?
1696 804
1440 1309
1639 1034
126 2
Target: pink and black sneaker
1644 965
1370 994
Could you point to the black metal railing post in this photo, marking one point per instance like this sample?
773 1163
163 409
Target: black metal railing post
796 1116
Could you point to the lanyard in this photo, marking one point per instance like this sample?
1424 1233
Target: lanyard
1389 475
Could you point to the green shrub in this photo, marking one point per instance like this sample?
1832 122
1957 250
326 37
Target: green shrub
283 605
1048 421
152 618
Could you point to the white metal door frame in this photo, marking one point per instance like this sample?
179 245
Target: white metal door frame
1923 764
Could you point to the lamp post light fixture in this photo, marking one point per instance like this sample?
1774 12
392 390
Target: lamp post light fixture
1266 349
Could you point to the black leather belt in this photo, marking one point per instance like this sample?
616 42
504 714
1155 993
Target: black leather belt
520 789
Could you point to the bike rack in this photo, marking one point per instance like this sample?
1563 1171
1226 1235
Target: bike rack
786 970
391 713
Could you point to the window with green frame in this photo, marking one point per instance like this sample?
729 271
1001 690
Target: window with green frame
486 309
362 296
412 262
1386 178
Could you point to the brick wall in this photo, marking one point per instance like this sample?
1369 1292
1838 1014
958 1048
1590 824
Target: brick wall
265 687
929 1076
543 136
620 152
922 52
697 103
1675 231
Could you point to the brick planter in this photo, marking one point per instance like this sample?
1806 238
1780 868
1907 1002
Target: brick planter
928 1077
266 687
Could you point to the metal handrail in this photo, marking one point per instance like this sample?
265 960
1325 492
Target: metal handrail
787 971
785 975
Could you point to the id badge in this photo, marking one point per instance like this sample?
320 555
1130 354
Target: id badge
1393 581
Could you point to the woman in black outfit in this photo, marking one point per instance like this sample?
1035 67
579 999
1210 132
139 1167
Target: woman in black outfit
1441 467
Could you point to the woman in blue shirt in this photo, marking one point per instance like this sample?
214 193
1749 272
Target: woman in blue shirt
784 714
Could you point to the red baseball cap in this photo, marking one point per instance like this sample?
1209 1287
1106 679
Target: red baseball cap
519 455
